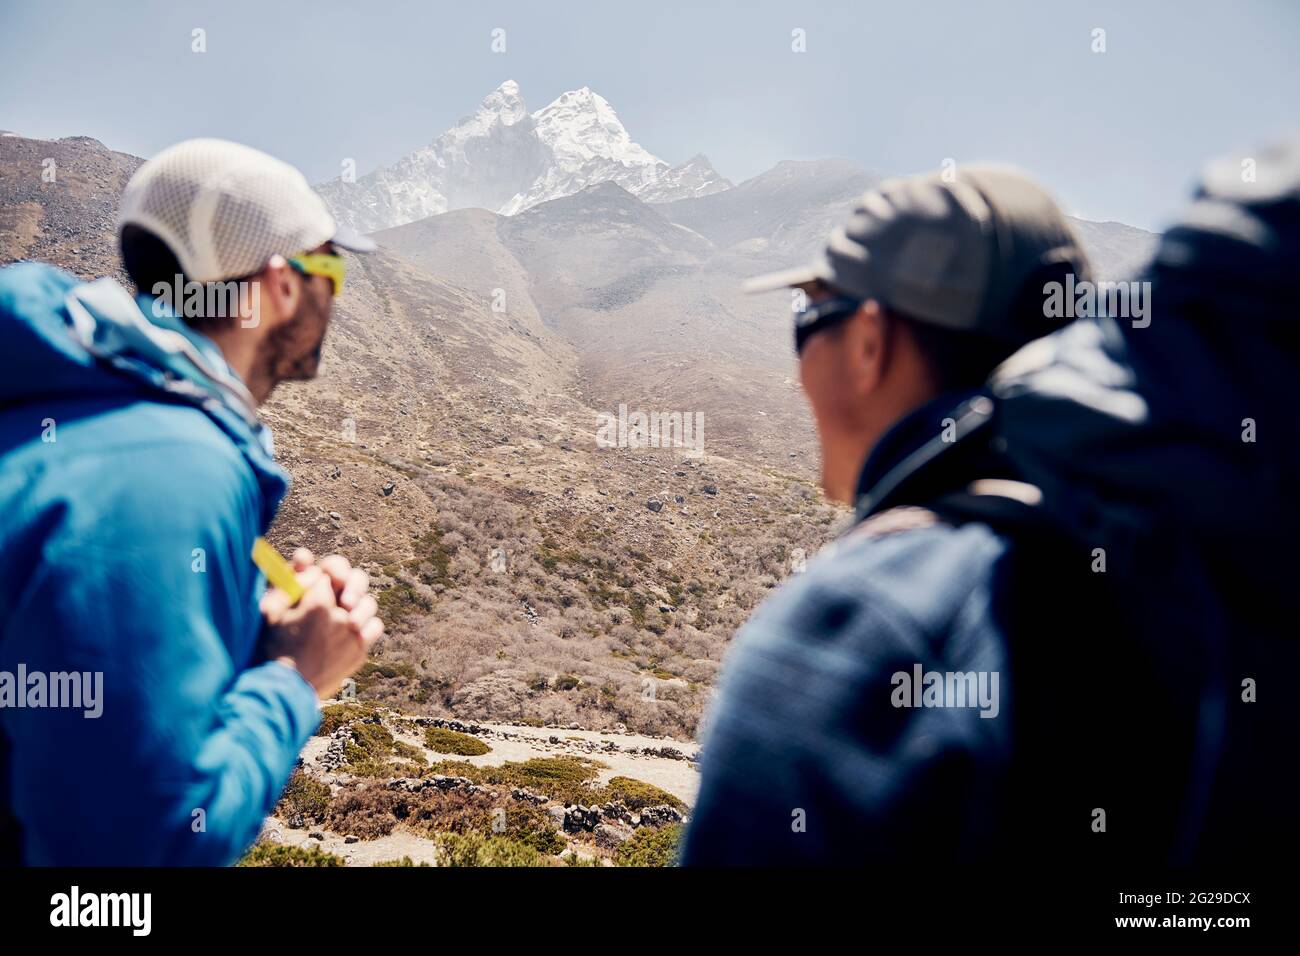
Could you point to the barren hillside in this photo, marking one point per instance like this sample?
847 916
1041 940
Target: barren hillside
526 573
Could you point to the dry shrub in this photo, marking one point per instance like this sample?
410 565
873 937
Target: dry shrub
580 600
368 812
372 810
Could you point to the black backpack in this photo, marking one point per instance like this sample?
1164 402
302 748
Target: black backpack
1159 688
1068 625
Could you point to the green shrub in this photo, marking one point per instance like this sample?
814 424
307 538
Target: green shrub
332 718
651 847
306 795
636 607
365 754
568 779
444 741
369 751
459 768
400 601
410 752
277 854
532 826
558 769
372 738
372 671
637 794
403 862
561 778
433 561
474 849
336 715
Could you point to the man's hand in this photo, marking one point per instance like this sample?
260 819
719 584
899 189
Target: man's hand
328 633
351 585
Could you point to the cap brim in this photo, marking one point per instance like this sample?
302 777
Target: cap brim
353 241
789 278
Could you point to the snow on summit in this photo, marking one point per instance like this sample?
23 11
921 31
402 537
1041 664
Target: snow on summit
502 106
505 159
581 125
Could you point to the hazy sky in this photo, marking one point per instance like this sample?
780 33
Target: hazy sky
897 87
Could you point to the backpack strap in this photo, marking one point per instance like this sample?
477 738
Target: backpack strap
891 521
1005 505
971 421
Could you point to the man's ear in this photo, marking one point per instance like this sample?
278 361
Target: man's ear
865 347
279 291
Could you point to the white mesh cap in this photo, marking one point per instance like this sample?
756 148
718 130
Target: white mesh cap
225 209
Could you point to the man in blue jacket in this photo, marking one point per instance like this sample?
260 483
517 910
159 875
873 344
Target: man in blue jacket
866 712
154 695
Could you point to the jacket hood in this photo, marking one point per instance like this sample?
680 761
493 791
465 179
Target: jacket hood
66 339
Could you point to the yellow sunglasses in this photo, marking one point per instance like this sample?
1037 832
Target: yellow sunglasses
327 264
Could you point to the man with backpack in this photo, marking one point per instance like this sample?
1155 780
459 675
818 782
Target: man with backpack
154 696
1107 525
866 711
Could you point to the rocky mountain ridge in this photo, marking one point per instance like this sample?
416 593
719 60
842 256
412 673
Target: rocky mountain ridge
505 159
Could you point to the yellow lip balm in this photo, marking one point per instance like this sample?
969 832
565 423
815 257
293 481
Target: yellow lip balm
277 570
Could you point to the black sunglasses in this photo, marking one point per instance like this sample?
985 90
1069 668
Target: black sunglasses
822 315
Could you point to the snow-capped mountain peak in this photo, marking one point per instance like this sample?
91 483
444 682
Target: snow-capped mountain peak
503 105
581 125
588 145
694 178
505 159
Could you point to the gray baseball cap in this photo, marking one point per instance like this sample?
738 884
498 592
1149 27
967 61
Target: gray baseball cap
971 254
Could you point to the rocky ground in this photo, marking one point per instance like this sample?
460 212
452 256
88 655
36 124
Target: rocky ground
58 202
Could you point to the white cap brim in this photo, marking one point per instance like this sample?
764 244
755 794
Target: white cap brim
352 240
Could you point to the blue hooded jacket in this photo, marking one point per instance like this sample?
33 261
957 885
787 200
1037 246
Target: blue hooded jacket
134 478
